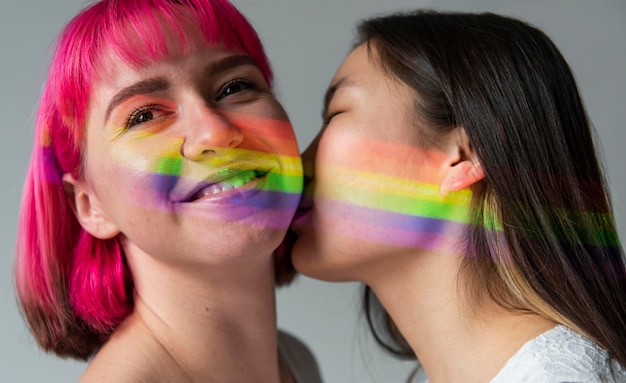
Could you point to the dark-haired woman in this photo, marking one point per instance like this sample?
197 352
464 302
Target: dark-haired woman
455 175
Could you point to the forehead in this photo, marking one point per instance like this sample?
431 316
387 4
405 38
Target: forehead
136 52
363 69
116 71
361 62
375 96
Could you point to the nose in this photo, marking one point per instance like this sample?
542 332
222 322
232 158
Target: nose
208 129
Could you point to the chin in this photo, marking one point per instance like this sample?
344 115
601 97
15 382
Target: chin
313 262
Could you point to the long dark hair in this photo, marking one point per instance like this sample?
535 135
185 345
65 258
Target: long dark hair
544 239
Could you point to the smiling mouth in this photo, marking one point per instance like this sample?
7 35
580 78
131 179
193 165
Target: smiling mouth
234 181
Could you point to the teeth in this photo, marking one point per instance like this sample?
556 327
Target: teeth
235 182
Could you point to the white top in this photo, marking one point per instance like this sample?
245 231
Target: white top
299 359
560 355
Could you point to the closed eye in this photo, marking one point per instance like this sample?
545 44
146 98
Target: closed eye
329 116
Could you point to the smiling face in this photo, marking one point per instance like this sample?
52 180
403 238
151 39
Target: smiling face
188 157
375 195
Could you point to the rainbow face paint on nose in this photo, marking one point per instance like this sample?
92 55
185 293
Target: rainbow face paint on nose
259 181
275 179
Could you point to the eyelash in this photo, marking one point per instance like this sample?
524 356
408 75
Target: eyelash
328 117
131 121
237 81
132 117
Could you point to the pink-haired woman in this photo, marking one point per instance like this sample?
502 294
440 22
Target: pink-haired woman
164 175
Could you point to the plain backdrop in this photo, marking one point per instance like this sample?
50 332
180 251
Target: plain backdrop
305 40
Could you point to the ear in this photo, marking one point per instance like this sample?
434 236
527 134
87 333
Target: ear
465 171
85 206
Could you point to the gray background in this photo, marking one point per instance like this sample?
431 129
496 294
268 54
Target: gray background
306 40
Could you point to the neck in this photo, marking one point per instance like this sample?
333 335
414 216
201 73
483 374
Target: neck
215 324
455 339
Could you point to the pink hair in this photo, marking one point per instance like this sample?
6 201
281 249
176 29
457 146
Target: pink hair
75 289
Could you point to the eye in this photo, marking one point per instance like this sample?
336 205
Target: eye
143 115
329 116
235 86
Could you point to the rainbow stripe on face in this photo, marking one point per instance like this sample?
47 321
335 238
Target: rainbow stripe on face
407 213
397 195
276 167
391 210
279 190
387 192
284 176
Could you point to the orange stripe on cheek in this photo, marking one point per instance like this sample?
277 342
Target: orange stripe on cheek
279 146
278 133
263 126
383 157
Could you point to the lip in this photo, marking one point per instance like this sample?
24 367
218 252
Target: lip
300 216
225 182
306 201
304 209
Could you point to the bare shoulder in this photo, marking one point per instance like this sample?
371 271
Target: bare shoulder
129 357
299 358
127 364
107 366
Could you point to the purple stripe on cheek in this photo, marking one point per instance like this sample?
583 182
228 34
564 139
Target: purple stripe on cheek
270 209
391 228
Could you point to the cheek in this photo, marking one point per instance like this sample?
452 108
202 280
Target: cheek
125 190
273 135
366 171
349 182
379 156
385 193
140 172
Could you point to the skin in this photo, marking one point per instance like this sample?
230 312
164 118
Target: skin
202 267
371 145
369 154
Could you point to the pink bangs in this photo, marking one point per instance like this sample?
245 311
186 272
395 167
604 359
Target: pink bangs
74 289
137 32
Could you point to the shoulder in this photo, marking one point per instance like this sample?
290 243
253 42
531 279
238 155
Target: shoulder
299 358
561 355
131 355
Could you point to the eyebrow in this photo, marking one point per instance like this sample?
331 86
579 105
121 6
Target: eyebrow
330 93
161 83
147 86
228 63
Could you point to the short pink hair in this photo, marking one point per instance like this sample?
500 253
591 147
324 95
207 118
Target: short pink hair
74 289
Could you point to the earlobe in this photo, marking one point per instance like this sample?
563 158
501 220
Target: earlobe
463 169
84 204
460 176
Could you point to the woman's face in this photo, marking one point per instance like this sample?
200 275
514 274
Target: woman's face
192 157
374 195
